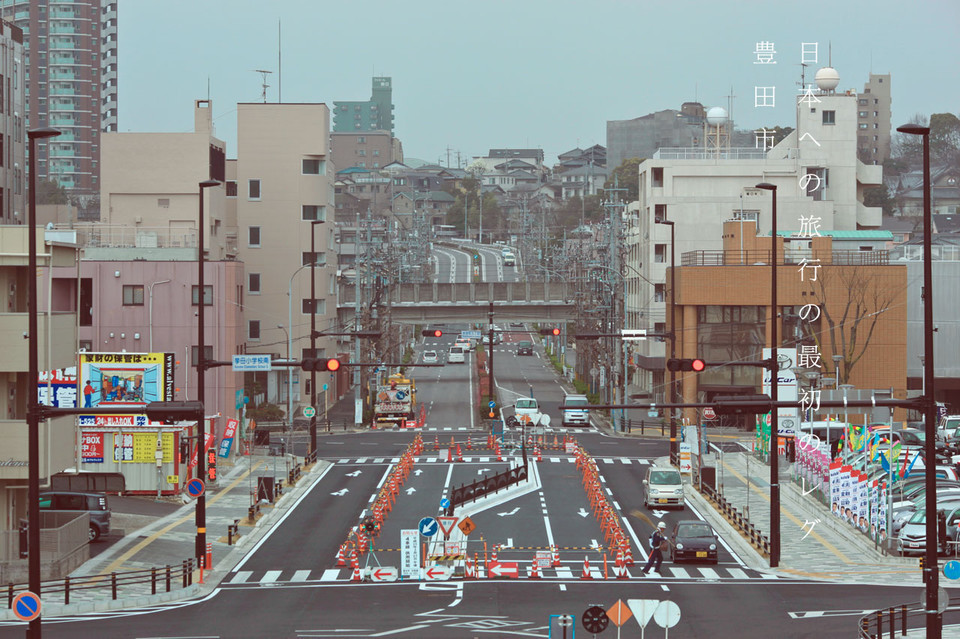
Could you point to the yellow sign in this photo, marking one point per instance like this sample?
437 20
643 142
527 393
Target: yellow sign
173 479
145 448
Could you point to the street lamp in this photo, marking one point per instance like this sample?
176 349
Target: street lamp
673 331
930 576
313 329
286 338
33 401
201 514
774 394
290 340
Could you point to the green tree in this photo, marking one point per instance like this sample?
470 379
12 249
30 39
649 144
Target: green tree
879 196
945 138
627 176
50 192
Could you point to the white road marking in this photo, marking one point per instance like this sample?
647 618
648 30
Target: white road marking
679 572
300 575
330 574
271 576
709 573
766 576
737 573
626 460
241 577
564 572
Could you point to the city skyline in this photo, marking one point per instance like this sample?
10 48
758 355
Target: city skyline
519 75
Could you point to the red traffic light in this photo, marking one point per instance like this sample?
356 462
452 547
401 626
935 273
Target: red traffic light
697 365
550 331
333 364
432 333
320 364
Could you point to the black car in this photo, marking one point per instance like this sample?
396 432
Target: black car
525 348
694 540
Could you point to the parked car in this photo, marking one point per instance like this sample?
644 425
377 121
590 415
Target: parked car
525 348
694 540
913 535
527 410
662 487
76 502
429 357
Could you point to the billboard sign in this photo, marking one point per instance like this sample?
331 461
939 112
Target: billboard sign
58 388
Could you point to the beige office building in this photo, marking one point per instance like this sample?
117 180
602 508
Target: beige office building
873 120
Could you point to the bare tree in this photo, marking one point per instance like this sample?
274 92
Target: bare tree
848 325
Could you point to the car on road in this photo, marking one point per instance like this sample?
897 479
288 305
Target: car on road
456 355
516 325
693 540
78 502
662 487
524 348
576 416
429 357
527 410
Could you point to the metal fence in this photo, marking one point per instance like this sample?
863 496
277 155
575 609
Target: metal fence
60 535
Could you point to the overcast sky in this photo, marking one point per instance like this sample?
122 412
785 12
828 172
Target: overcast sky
522 73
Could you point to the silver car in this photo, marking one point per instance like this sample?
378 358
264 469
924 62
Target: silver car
429 357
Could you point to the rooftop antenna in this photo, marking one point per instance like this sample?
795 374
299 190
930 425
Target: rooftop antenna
279 67
266 86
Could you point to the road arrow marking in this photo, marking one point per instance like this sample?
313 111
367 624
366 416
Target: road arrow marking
354 473
341 492
512 512
594 544
411 490
483 470
418 471
659 513
583 512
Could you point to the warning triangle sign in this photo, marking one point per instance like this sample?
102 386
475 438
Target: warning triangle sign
447 523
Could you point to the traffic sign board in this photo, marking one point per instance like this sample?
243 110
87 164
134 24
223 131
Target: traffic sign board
470 334
251 363
708 413
595 619
309 411
491 404
428 527
510 569
951 569
667 614
26 606
447 523
619 613
466 526
643 609
444 503
384 573
195 487
633 334
438 573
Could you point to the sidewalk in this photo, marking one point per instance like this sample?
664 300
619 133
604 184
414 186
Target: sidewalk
171 539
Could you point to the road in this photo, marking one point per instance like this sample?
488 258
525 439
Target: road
289 584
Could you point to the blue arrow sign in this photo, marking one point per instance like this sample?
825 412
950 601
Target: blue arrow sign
492 404
951 570
401 394
195 487
444 503
428 526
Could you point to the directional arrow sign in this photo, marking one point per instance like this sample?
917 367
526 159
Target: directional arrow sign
418 471
583 512
510 569
643 609
411 490
438 573
512 512
355 473
428 527
384 573
341 492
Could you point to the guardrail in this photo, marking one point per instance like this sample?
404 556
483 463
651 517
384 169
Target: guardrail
164 577
760 541
871 625
629 424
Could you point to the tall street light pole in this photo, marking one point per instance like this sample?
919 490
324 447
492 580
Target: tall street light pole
201 514
290 341
673 332
33 401
313 332
930 576
774 394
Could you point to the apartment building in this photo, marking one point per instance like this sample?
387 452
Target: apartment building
282 188
12 126
873 120
817 174
367 149
375 114
70 71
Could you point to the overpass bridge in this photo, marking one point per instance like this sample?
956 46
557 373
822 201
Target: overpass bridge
427 303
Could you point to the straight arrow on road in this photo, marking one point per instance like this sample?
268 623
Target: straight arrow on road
411 490
583 512
355 473
341 492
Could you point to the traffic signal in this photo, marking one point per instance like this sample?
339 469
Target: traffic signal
172 412
184 450
212 464
432 333
320 364
742 404
369 523
695 365
550 331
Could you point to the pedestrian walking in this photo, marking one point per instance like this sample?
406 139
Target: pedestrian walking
658 544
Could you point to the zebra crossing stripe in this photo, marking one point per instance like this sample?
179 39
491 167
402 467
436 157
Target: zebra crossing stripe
737 573
271 576
241 577
709 573
679 572
300 575
330 574
564 572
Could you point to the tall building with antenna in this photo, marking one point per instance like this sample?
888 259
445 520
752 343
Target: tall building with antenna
70 72
376 114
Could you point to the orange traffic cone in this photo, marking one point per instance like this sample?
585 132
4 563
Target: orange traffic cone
556 556
534 570
450 454
499 456
356 574
341 559
628 556
536 451
469 443
436 442
621 572
586 569
459 455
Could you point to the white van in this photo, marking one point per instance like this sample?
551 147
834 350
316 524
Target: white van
527 407
576 417
456 355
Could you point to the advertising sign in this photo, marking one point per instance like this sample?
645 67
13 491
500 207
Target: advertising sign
123 379
139 448
786 388
58 388
208 442
686 464
409 553
229 431
91 448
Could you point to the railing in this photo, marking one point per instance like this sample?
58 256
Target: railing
156 577
871 625
629 424
114 236
760 541
699 153
762 258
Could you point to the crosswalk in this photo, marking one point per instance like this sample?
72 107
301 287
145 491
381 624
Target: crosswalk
441 457
572 571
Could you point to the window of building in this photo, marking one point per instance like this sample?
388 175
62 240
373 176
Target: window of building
876 101
362 152
829 117
876 125
376 153
207 295
657 176
133 294
659 327
864 125
313 213
253 329
659 212
253 283
253 236
659 293
660 253
319 304
207 354
253 189
163 202
308 258
231 188
876 114
313 167
361 139
863 114
863 101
